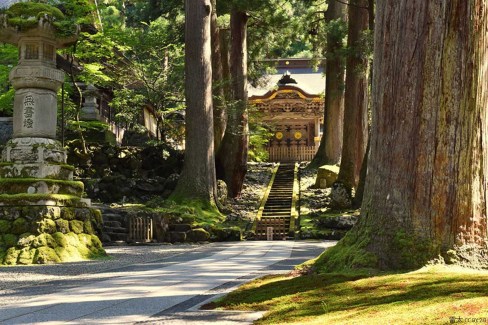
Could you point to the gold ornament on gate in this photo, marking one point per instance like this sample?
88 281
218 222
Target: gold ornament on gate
298 135
279 135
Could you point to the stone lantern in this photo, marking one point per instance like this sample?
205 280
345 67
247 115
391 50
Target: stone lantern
43 218
36 82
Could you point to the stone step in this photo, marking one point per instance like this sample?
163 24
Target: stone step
115 224
116 236
115 229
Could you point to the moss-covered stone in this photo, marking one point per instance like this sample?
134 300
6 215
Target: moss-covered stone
226 234
26 256
76 226
72 239
68 254
198 235
96 243
44 240
10 240
88 228
11 256
85 240
97 217
26 240
62 225
68 213
60 239
53 213
46 226
83 214
3 252
46 255
20 226
5 226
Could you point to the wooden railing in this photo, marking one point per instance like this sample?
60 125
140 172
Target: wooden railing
291 153
140 229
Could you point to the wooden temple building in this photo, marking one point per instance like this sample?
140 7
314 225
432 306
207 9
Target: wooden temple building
293 107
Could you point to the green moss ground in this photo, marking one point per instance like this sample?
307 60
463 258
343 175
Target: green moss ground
431 295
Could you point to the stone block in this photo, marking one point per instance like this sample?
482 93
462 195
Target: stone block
180 227
198 235
76 226
20 226
326 176
177 237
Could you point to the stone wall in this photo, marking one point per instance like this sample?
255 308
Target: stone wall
6 129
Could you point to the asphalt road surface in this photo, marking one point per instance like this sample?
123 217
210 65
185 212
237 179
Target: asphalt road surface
168 291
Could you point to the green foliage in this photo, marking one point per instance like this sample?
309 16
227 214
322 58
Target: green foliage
64 16
25 15
8 59
259 135
97 126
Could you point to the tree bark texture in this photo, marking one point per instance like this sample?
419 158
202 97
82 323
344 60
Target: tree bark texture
355 135
197 180
232 156
219 109
427 170
329 151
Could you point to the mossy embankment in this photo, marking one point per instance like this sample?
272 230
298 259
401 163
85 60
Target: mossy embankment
431 295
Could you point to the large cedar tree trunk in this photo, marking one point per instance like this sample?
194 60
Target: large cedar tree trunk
355 134
219 109
197 180
426 186
329 151
232 155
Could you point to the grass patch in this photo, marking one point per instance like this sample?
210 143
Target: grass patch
431 295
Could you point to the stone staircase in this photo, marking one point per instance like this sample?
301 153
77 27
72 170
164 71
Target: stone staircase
277 212
115 225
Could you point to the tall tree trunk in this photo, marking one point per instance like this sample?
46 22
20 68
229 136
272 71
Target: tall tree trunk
219 109
427 181
232 156
197 180
225 56
355 135
329 151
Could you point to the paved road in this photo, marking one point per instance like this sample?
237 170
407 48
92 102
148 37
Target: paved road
166 291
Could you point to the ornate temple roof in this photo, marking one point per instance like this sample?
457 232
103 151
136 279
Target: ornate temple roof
307 79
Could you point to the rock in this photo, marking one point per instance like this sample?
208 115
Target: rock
47 226
198 235
76 226
180 227
340 196
326 176
25 240
46 255
20 226
60 239
149 185
62 226
5 226
171 181
177 237
221 192
338 222
226 234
